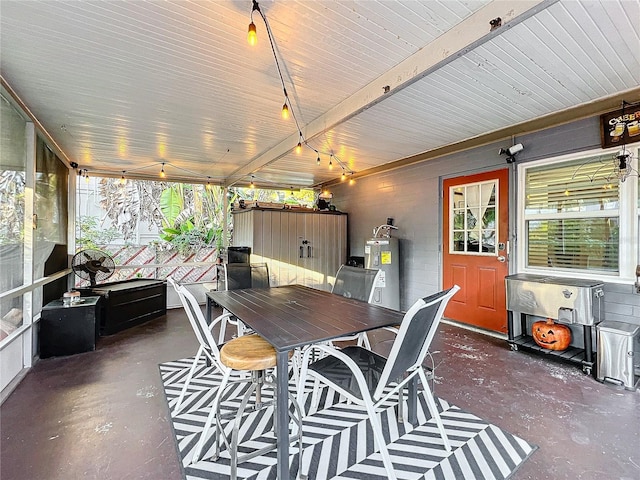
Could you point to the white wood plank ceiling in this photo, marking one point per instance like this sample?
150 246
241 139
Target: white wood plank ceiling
127 85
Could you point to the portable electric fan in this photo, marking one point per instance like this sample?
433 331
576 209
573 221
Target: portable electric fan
93 265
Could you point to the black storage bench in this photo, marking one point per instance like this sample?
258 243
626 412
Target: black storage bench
128 303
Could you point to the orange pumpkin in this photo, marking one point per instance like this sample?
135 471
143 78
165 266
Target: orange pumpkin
551 335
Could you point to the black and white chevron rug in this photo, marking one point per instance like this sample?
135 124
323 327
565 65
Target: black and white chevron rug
338 441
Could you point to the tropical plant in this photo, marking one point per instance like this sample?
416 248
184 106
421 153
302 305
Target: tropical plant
90 234
192 216
128 204
188 217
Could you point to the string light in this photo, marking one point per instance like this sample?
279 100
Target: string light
123 180
343 177
299 146
352 180
162 174
252 185
331 162
288 108
252 36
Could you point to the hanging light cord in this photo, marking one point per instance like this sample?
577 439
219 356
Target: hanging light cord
341 164
256 8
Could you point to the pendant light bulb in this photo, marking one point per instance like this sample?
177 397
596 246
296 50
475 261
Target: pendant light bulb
343 177
252 36
285 111
318 159
162 174
122 179
331 162
252 184
299 148
352 180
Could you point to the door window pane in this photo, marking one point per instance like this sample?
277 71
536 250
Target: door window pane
473 214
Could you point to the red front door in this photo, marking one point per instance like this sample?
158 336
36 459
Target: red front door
475 229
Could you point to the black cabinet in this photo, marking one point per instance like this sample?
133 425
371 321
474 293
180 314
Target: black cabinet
67 330
129 303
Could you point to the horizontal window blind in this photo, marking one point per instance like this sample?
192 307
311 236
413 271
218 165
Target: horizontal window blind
571 215
573 187
585 244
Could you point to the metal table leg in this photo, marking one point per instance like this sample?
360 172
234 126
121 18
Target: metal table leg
282 415
209 310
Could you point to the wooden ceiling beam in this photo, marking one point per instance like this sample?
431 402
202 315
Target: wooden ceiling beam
472 32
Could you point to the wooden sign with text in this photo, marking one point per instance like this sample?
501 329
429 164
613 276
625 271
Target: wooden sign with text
620 127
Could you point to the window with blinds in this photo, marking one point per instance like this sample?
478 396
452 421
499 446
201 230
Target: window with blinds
571 213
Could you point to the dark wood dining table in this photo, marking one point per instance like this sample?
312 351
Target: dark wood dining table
293 316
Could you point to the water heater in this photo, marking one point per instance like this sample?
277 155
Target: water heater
381 253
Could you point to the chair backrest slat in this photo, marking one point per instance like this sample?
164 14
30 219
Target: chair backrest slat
355 282
236 276
416 332
259 275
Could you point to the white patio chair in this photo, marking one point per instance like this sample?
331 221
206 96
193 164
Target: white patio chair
249 360
207 344
368 379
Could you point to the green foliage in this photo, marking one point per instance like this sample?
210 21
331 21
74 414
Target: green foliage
89 233
12 188
192 217
189 217
172 204
305 198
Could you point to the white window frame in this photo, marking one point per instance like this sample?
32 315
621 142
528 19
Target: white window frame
628 214
496 183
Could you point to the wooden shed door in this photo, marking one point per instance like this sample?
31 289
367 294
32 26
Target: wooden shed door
475 229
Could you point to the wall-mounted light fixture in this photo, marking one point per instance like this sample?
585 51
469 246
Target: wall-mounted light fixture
511 152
